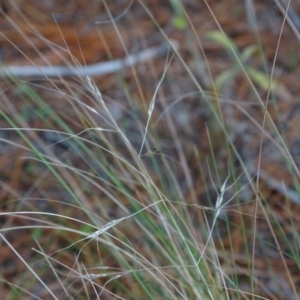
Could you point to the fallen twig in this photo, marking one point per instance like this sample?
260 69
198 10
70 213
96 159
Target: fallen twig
102 68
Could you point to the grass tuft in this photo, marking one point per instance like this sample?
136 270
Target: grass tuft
173 174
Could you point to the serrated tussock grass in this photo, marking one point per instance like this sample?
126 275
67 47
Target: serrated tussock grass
154 182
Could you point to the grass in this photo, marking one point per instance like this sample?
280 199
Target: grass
176 178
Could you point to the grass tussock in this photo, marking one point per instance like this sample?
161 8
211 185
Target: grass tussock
174 176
